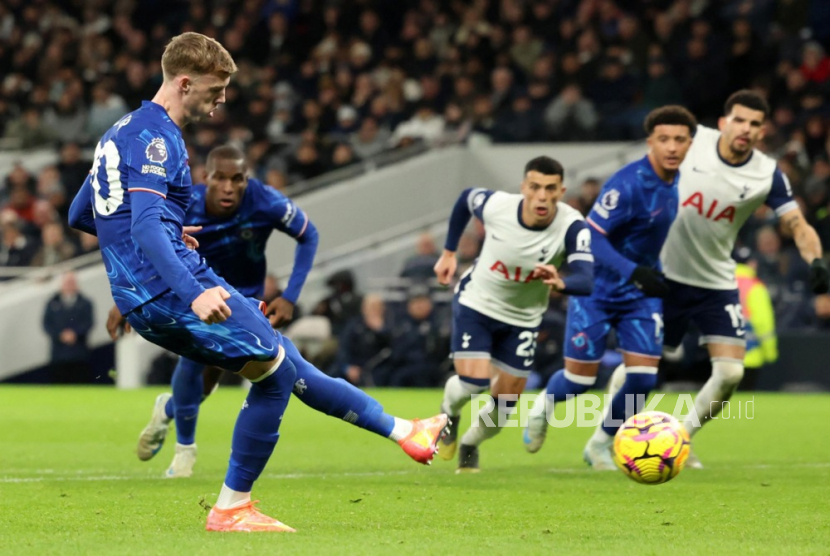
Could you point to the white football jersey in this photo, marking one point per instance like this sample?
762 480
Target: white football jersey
497 285
716 198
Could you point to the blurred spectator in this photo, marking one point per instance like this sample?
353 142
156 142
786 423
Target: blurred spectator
342 304
15 248
425 125
73 169
587 195
66 120
29 130
67 320
570 115
106 109
661 87
419 346
306 163
54 248
419 266
815 66
364 343
520 124
88 242
370 139
342 156
759 316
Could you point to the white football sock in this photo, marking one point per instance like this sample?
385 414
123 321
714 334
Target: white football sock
229 498
600 435
400 430
726 376
480 429
614 384
457 393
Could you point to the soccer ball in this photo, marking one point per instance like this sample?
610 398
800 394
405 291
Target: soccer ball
651 447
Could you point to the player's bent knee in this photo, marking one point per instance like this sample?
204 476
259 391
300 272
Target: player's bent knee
581 368
473 368
728 371
258 370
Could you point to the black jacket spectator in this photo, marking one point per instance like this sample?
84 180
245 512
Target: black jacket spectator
67 320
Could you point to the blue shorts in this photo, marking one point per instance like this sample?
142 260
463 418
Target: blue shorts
716 313
638 324
245 336
511 349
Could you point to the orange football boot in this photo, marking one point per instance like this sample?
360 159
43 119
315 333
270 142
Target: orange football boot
421 443
244 519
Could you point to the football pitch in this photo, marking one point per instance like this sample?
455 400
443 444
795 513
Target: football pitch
70 483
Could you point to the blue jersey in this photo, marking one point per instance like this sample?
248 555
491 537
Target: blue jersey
235 246
144 151
634 211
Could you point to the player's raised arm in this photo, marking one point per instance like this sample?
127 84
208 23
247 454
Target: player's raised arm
470 202
290 220
806 239
81 216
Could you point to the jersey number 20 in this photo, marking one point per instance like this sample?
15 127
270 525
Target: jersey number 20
107 201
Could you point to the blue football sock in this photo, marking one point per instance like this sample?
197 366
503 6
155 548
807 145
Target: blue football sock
639 381
187 395
336 397
257 427
564 384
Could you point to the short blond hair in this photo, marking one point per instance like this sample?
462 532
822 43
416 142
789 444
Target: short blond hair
195 54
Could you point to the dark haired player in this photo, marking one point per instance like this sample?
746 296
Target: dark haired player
629 223
723 181
500 300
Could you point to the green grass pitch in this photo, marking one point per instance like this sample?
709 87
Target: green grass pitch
71 484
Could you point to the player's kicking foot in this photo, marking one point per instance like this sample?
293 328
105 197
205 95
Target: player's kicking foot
467 459
692 462
244 519
537 425
152 437
597 454
422 443
183 462
449 442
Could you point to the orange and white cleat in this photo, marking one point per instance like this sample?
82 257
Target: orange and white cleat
244 519
422 443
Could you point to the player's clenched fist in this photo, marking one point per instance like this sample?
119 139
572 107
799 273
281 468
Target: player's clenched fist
210 306
445 267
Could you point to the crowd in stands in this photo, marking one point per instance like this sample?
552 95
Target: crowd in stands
324 84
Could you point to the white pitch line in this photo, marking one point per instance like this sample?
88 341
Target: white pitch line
49 476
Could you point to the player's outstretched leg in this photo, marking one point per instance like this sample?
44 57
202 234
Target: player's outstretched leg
457 392
188 387
561 386
338 398
726 376
628 400
152 437
254 438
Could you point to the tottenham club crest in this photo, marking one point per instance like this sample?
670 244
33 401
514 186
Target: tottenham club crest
610 200
156 151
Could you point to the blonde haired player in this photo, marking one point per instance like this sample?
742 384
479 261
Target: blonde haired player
500 300
135 200
723 180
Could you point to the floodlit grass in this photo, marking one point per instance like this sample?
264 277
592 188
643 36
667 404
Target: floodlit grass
70 483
